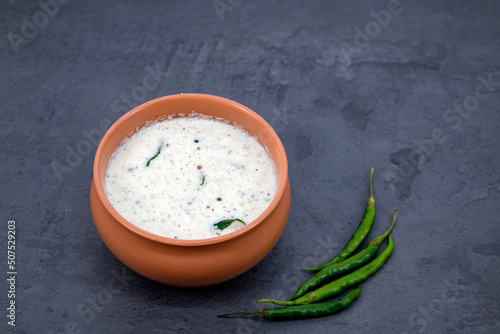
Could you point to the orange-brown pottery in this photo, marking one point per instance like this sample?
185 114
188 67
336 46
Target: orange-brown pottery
190 263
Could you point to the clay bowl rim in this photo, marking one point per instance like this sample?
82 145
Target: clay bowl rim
190 242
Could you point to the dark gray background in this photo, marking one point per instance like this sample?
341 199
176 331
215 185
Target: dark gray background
336 115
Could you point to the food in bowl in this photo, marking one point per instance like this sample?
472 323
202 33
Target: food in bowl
199 262
190 177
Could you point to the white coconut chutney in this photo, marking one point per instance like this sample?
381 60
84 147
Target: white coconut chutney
180 176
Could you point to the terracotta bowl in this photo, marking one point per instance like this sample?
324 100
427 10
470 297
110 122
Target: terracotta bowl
190 263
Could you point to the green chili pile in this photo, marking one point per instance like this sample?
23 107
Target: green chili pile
339 274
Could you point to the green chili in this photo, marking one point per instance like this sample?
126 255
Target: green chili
225 223
341 284
359 235
349 264
202 180
304 311
159 150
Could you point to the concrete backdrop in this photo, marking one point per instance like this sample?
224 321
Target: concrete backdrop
410 87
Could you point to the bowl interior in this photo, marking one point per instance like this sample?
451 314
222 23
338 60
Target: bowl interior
186 104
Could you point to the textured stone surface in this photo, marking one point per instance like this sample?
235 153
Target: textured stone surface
336 115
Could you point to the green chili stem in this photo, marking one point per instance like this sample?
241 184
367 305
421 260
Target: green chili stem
371 199
258 313
378 240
